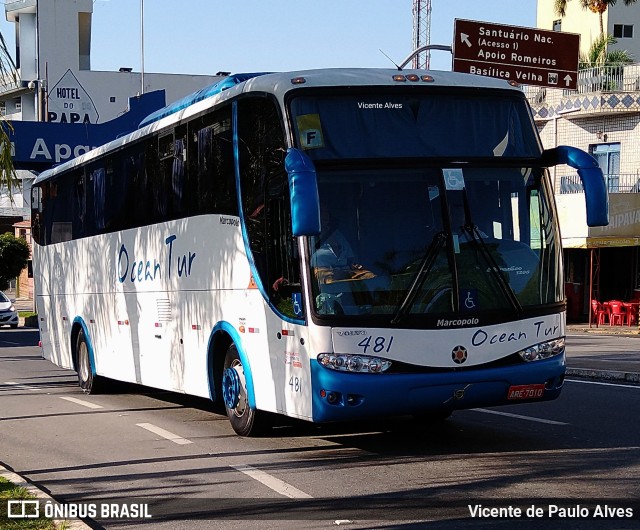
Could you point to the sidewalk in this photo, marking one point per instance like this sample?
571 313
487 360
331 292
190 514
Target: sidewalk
617 365
627 331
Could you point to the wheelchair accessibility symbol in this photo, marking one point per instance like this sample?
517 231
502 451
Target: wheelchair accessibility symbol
296 298
453 179
468 299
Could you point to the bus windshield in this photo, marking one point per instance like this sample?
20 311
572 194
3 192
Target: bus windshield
434 124
434 241
425 208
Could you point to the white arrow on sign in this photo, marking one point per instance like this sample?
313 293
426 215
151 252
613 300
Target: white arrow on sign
465 38
568 79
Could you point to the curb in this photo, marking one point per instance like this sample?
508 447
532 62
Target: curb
605 375
633 332
39 494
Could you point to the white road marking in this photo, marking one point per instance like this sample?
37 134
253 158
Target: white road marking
164 434
277 485
20 386
601 383
520 417
77 401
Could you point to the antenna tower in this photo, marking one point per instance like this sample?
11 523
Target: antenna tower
421 32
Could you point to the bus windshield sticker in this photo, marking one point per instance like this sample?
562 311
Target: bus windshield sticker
453 179
469 299
296 299
310 131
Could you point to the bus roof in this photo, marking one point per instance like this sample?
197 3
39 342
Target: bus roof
199 95
280 84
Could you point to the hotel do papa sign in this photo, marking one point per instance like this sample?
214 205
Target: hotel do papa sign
69 102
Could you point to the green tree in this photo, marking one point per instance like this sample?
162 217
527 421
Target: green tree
596 6
606 67
14 255
599 56
8 79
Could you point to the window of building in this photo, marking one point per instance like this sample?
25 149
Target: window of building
623 31
608 157
557 25
84 41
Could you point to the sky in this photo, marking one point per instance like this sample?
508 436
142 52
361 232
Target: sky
208 36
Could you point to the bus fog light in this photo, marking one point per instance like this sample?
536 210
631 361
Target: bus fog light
543 350
333 398
362 364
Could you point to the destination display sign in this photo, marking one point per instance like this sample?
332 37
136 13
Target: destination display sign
529 56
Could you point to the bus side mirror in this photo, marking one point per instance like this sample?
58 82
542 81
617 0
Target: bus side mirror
595 190
303 191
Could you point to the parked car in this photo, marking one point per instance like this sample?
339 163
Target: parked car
8 313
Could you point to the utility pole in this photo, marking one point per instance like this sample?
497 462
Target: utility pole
142 46
421 32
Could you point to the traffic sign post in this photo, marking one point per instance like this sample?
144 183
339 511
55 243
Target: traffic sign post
529 56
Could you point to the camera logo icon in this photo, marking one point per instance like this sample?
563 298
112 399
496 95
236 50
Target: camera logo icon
23 509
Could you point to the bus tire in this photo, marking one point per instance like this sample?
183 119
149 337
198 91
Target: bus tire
245 420
89 383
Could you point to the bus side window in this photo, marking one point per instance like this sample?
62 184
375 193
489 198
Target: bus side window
79 205
178 170
47 213
172 152
60 220
36 214
265 201
140 198
157 152
210 179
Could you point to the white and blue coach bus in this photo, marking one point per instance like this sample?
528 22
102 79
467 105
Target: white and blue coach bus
328 245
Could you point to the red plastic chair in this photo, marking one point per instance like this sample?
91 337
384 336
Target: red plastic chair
598 313
618 314
631 309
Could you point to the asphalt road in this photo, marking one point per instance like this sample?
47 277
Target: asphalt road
179 457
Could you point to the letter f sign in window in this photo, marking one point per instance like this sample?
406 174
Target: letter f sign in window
310 131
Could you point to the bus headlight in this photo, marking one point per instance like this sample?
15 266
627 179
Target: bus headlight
354 363
543 350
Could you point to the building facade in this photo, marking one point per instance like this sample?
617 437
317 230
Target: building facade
55 84
601 117
619 20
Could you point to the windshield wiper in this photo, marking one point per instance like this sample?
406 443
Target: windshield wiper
427 262
506 289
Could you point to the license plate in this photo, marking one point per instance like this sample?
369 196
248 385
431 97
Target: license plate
525 391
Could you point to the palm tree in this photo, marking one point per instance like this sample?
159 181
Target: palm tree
606 67
597 6
8 79
599 56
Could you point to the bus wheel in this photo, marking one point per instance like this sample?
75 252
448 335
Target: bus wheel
87 381
245 420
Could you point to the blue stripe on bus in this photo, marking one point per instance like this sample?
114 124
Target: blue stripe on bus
199 95
92 359
244 359
378 395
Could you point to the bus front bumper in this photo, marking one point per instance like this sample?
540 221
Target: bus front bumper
341 396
